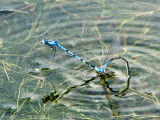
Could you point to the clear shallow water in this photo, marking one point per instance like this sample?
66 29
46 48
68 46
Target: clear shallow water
29 71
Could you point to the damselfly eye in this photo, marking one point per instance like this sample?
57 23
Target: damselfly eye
44 41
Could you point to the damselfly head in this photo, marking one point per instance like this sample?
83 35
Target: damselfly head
44 41
49 42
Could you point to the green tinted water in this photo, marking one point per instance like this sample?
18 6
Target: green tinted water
29 74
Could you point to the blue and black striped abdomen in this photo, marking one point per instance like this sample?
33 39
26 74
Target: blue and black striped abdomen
78 57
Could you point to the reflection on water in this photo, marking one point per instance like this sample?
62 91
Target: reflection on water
54 97
28 70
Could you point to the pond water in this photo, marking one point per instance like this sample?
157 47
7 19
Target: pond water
37 83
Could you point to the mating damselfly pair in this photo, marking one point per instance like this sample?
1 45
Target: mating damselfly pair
53 44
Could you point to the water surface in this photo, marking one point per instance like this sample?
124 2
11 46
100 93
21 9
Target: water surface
30 73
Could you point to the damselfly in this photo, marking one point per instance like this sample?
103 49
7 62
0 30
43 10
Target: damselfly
107 60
